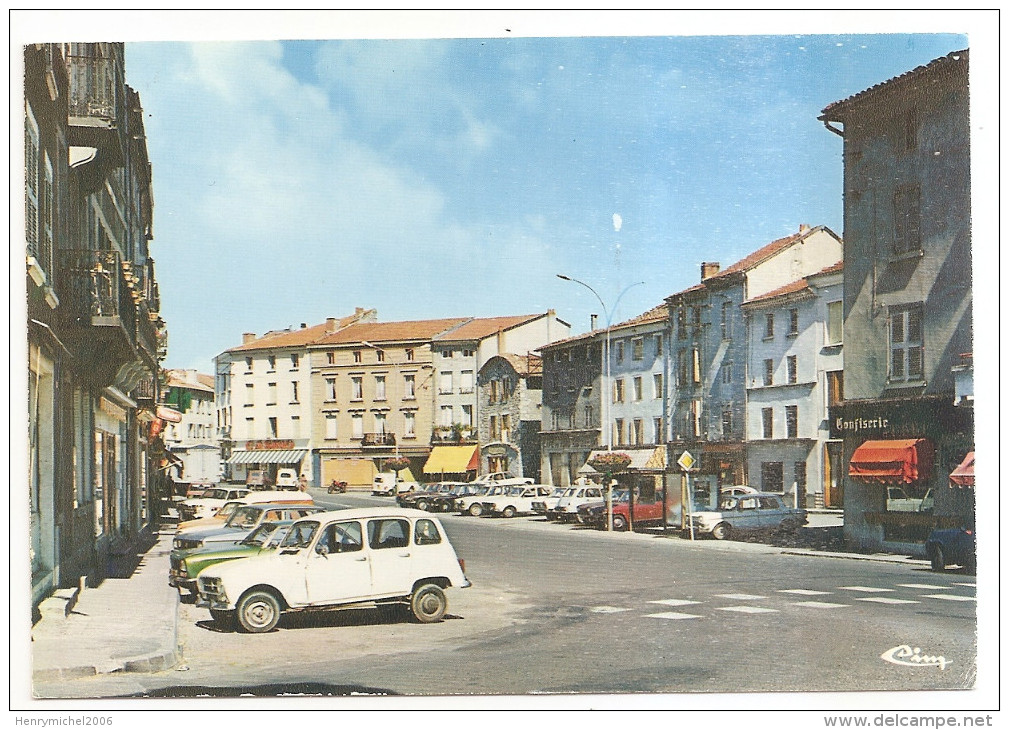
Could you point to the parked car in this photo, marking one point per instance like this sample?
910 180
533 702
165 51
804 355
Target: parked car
229 507
541 506
502 479
422 499
335 560
258 479
592 513
287 479
471 504
445 501
516 500
197 488
244 520
209 502
186 565
898 500
567 506
408 498
952 546
748 512
390 484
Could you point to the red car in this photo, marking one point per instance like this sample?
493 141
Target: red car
646 513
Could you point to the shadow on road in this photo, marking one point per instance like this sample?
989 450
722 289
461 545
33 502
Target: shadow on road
348 617
295 689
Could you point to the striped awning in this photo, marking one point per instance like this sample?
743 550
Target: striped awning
653 459
451 460
289 456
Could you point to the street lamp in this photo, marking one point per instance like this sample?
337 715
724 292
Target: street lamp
603 414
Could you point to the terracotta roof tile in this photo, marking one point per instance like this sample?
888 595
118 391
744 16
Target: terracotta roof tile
180 379
421 329
296 337
655 314
480 328
795 286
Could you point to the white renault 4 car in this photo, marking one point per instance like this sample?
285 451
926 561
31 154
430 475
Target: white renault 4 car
341 559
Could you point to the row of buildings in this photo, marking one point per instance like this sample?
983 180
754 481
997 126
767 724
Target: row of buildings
836 372
94 333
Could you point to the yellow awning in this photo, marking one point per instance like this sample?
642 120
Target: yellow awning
450 460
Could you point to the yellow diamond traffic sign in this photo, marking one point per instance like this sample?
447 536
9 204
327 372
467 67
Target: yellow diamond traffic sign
686 461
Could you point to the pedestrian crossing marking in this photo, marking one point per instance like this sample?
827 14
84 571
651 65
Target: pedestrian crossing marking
608 609
805 592
820 604
881 599
671 615
924 586
948 597
969 585
866 589
674 602
748 609
739 596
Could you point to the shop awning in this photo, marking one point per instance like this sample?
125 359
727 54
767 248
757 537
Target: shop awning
289 456
963 475
168 414
899 461
452 460
653 459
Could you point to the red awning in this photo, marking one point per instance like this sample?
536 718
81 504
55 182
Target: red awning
900 461
963 475
474 461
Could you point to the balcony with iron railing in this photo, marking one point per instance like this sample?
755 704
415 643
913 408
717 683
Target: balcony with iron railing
97 110
379 440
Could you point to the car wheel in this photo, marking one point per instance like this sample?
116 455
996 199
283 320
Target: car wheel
938 559
721 531
421 505
428 603
508 511
619 523
224 619
475 509
258 612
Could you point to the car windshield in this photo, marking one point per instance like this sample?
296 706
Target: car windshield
300 535
228 509
261 534
244 518
516 491
215 494
727 504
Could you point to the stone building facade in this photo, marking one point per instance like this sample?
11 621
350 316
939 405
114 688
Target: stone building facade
510 392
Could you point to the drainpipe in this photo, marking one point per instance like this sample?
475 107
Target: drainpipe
835 130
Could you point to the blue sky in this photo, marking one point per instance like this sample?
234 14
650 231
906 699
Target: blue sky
431 178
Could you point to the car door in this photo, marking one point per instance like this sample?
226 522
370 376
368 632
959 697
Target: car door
746 515
770 512
337 566
389 553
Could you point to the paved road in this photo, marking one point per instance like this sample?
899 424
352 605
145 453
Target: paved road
558 609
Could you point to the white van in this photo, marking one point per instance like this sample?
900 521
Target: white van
390 483
287 479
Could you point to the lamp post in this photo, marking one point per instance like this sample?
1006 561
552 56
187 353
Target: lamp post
603 411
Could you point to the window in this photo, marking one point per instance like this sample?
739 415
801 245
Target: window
639 431
906 347
379 423
695 417
426 533
357 426
380 355
772 478
409 386
656 385
342 537
906 219
767 416
468 353
271 391
697 365
409 424
330 425
657 430
681 368
384 534
356 388
696 312
330 358
835 323
618 431
792 422
506 424
769 325
272 360
726 421
273 426
768 372
726 320
294 391
494 433
357 356
727 371
555 421
620 351
835 387
295 427
793 368
32 183
330 388
588 416
618 390
466 381
248 364
250 394
800 476
295 361
445 382
681 323
494 385
793 322
467 415
409 354
379 387
446 416
638 348
910 141
638 390
447 354
658 345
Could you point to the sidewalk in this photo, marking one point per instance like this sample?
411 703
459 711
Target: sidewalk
126 624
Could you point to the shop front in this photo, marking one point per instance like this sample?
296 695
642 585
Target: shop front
452 463
259 461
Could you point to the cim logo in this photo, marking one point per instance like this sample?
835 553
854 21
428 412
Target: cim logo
905 656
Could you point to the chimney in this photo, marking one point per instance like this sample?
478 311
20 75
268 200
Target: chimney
708 269
358 311
248 337
593 318
331 324
500 342
803 227
304 325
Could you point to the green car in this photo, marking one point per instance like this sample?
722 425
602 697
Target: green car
187 564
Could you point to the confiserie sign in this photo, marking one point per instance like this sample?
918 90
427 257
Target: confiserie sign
269 445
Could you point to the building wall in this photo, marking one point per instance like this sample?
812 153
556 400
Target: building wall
813 253
520 446
571 413
649 407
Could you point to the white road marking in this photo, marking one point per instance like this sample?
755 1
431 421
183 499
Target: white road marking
969 585
924 586
739 596
674 602
866 589
748 609
671 615
880 599
948 597
805 592
608 609
820 604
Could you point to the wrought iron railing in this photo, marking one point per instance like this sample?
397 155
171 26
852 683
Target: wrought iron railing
94 87
378 439
95 286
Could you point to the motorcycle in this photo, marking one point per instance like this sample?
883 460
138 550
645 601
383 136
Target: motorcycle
337 487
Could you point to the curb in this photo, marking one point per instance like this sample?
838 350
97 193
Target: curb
879 558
